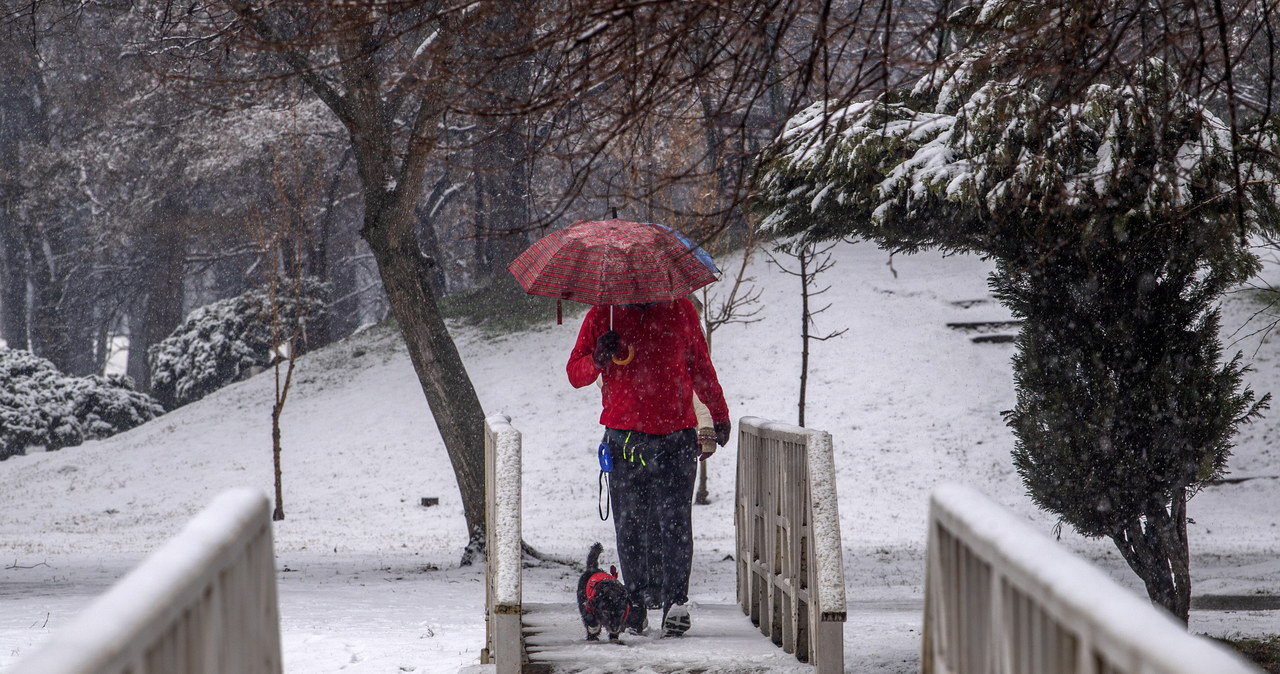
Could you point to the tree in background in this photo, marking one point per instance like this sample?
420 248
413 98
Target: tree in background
282 235
386 74
1117 208
470 122
740 303
20 119
399 76
228 340
122 205
288 339
50 254
811 259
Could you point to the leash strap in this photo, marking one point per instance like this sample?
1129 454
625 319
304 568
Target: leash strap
603 506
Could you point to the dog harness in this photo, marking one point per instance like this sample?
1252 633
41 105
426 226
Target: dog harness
595 580
611 574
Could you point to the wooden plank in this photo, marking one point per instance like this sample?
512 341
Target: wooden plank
721 639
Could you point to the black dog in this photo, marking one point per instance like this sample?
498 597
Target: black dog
603 601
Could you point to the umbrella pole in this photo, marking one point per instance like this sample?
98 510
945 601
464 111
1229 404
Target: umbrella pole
610 316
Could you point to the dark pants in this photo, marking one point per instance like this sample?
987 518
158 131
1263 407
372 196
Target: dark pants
651 492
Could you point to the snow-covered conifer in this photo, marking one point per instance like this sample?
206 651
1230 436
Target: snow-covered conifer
1117 207
221 342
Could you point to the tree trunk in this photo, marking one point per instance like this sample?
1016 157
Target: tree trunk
426 230
718 163
136 360
319 264
47 337
502 203
21 118
805 320
13 287
60 266
163 302
318 267
102 344
345 311
1157 551
82 314
502 156
406 276
277 513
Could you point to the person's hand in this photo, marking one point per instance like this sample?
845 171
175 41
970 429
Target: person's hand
722 432
606 346
707 442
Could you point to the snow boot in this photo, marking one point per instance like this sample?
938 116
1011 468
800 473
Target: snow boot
675 621
638 620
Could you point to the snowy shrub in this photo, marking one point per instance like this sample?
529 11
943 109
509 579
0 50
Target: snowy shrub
104 406
41 406
222 342
26 400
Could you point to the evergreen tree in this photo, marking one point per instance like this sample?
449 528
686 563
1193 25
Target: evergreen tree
228 340
1116 206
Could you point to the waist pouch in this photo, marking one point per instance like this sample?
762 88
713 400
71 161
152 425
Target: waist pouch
645 448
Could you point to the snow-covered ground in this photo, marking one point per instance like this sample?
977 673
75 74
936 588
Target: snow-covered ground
369 579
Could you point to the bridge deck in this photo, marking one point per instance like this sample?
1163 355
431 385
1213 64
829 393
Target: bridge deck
722 640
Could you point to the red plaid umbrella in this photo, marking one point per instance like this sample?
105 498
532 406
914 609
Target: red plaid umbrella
613 262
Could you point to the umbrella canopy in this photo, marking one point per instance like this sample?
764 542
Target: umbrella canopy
613 262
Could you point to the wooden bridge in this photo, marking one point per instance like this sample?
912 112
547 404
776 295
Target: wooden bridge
791 605
1000 597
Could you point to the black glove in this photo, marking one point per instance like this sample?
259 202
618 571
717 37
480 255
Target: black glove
606 347
722 433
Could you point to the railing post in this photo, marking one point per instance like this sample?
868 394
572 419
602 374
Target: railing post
504 638
790 560
827 556
1001 597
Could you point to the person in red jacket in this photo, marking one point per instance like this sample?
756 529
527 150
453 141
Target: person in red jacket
652 359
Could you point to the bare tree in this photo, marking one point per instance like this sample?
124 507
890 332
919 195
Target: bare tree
740 304
388 74
811 259
393 74
287 347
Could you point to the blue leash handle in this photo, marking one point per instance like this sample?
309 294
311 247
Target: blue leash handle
606 467
606 458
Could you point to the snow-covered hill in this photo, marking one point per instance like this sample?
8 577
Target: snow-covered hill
369 577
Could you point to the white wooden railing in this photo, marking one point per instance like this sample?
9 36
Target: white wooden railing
504 639
790 562
204 603
1002 598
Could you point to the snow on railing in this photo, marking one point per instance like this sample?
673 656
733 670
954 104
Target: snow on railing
790 561
204 603
1002 597
504 639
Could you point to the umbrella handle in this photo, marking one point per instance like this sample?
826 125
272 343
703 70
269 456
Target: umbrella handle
631 355
631 350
